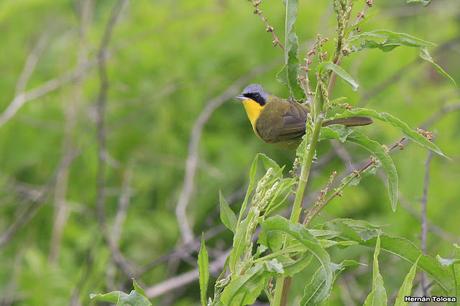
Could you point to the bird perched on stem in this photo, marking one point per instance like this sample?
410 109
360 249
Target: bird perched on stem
279 120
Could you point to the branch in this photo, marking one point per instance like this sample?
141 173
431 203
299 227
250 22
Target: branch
52 85
423 203
101 103
30 64
68 145
38 199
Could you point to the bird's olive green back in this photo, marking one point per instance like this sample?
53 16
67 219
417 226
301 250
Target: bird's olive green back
281 120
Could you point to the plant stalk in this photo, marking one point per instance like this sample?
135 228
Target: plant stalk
280 297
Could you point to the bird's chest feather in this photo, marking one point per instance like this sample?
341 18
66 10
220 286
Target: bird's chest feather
253 110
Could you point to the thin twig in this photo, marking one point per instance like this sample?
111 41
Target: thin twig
276 41
25 216
31 63
123 203
52 85
424 229
101 104
68 146
432 228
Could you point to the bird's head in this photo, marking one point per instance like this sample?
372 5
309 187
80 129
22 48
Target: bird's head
254 92
254 99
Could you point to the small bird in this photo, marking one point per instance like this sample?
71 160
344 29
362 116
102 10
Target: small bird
279 120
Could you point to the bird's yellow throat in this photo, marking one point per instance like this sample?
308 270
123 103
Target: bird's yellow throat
253 110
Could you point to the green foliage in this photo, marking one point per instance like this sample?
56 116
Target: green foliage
366 234
135 298
227 216
406 287
244 289
387 41
378 295
291 60
425 55
377 150
329 66
385 160
316 291
397 123
203 270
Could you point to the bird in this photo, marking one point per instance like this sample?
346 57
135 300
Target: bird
277 120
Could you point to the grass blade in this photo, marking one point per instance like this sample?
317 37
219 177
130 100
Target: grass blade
203 271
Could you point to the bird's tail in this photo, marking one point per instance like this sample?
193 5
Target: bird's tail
350 121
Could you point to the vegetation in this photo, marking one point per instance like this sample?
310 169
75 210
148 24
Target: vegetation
116 137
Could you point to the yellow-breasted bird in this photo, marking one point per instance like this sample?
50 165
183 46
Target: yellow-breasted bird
279 120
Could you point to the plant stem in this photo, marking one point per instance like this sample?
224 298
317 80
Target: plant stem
305 172
281 291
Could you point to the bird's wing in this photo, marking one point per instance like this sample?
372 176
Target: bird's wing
290 126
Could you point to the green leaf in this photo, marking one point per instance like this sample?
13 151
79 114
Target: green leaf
425 55
301 235
291 60
292 267
386 161
244 289
314 292
274 266
398 123
338 132
227 216
378 295
138 288
366 234
111 297
329 66
282 193
386 40
268 163
406 287
239 243
203 271
122 299
376 149
135 298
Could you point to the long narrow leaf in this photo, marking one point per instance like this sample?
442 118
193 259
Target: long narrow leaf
396 122
301 235
203 271
386 161
291 59
244 289
227 216
406 287
340 72
378 295
366 234
374 148
314 292
426 56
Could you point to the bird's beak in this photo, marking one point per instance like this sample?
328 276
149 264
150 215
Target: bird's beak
240 97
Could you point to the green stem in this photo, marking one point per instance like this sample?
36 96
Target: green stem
280 291
305 172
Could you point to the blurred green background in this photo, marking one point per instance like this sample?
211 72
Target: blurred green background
166 61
